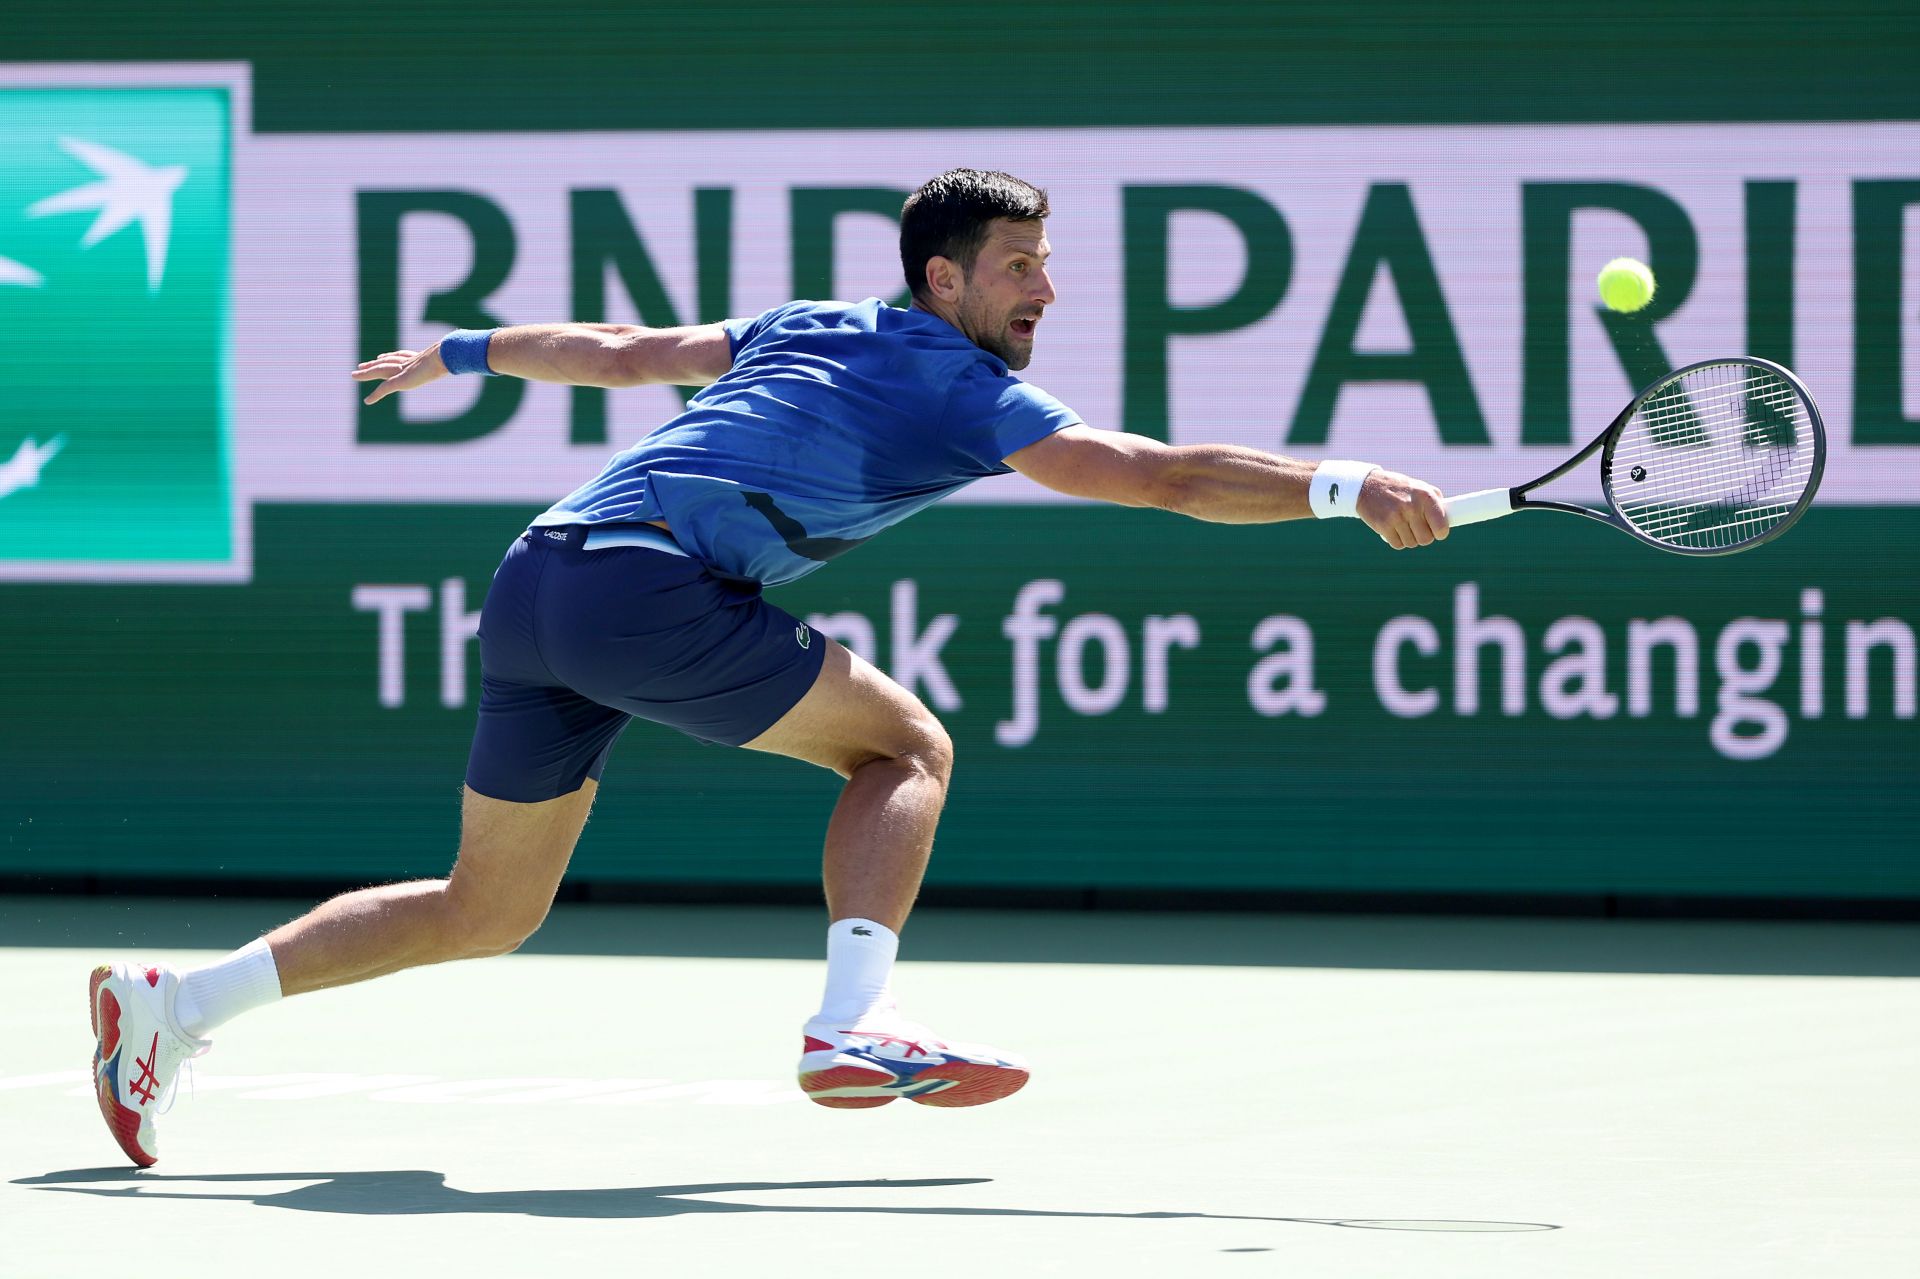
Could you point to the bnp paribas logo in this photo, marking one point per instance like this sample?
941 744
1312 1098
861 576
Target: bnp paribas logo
114 265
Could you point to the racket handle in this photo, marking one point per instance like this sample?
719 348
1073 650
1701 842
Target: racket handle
1473 508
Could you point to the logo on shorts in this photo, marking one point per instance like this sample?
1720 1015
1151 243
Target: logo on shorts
803 636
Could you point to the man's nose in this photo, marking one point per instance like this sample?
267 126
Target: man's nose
1044 292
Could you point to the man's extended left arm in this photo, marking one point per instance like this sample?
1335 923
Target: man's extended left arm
1226 483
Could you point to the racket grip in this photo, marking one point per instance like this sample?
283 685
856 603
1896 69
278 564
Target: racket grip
1473 508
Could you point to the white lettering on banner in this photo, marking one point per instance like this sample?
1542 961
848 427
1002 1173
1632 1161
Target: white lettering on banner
1674 633
1737 709
1115 664
1576 684
1862 638
1387 686
1471 633
1750 719
1813 655
1160 635
391 603
1282 683
915 653
1907 341
1436 366
458 627
1026 626
1093 662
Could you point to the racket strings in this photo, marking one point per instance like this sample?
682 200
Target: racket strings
1719 473
1715 459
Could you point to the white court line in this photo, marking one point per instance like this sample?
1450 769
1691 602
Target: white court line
432 1089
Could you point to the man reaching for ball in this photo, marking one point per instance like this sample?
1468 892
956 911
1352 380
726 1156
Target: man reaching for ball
639 595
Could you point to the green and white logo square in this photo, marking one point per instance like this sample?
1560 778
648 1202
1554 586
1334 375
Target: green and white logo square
115 250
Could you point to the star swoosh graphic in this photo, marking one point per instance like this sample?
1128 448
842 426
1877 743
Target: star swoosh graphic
129 190
23 470
12 272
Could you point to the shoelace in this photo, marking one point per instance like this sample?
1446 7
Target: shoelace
173 1089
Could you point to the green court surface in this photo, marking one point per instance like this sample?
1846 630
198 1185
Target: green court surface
1214 1094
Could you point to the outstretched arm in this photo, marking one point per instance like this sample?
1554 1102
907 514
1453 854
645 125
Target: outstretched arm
1222 483
576 354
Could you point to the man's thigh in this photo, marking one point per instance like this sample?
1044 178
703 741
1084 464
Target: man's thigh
854 713
512 856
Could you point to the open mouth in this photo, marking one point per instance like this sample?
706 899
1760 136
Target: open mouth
1025 325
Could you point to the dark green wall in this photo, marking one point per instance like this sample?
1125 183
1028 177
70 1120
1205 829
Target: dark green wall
363 66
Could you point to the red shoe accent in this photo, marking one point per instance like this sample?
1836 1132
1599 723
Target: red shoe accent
143 1083
124 1124
109 1035
153 978
973 1084
816 1045
815 1082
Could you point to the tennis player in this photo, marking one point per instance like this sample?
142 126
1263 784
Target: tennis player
639 595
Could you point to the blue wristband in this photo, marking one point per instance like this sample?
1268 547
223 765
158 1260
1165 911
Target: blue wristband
465 351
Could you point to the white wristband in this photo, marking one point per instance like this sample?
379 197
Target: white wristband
1335 490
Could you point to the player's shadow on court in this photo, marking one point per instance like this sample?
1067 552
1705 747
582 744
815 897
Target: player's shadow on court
418 1192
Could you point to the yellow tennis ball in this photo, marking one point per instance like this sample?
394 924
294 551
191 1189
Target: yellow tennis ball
1626 284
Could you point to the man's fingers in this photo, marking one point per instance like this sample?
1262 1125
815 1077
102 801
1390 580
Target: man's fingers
386 364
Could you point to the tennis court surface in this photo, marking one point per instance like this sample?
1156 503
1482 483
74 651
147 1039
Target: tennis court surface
1214 1094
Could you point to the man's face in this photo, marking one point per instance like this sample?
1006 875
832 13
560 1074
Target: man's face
1002 297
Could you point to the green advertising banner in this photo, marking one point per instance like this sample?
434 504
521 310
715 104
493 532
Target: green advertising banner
1137 700
237 606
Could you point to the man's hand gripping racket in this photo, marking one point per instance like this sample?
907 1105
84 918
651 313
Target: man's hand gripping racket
1713 458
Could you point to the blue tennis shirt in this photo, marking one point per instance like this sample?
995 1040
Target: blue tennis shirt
836 421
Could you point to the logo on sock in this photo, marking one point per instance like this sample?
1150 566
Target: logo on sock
863 932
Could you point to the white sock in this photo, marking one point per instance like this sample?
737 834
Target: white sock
221 991
860 957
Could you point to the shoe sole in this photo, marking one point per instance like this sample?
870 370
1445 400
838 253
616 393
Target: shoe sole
967 1083
124 1124
847 1087
974 1084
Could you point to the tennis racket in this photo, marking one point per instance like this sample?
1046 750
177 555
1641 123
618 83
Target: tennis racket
1714 458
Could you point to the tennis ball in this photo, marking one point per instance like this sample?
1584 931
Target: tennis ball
1626 284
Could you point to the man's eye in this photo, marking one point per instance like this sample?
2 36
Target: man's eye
1020 267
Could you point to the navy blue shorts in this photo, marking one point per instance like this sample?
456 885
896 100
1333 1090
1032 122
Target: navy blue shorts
586 628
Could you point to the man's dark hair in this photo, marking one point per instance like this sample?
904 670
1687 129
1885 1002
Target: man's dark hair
948 217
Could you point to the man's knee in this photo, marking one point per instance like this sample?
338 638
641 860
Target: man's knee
927 748
480 926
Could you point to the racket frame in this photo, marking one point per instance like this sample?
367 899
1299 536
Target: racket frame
1603 444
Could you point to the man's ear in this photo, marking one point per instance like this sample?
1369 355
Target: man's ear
944 278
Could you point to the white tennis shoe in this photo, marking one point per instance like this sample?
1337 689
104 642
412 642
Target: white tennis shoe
875 1058
138 1050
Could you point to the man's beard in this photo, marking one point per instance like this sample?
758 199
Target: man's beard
993 339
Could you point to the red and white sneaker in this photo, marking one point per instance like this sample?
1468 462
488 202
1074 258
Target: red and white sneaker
138 1048
880 1056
